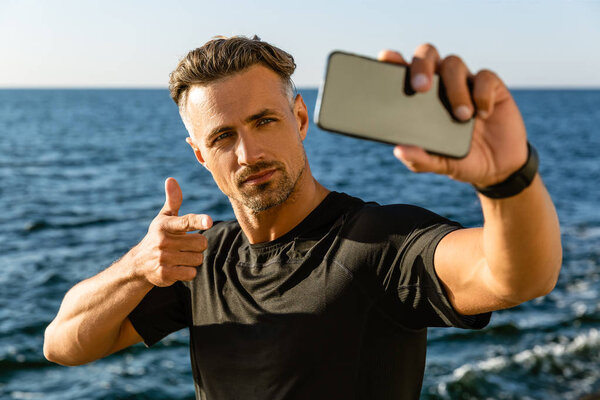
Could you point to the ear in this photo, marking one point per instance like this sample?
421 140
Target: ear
301 114
196 150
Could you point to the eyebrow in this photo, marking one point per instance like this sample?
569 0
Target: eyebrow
217 131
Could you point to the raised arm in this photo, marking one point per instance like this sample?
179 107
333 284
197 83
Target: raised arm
517 254
92 321
514 258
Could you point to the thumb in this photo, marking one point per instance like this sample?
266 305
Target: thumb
418 160
173 197
391 56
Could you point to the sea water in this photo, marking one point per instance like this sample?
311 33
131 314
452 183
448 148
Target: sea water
82 175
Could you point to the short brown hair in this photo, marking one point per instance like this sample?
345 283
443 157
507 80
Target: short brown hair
222 57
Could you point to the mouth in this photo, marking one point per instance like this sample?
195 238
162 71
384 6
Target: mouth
259 178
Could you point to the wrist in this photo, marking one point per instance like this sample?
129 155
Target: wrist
516 182
132 269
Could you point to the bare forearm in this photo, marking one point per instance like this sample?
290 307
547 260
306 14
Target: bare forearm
521 243
92 313
92 320
515 257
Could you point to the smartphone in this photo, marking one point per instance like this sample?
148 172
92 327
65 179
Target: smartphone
370 99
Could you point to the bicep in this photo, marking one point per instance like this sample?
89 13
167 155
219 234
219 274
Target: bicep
128 336
462 269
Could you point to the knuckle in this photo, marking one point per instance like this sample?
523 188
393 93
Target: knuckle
164 272
426 55
485 73
452 63
445 166
163 258
185 222
426 48
162 243
158 223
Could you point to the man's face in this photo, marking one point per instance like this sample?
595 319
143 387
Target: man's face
248 134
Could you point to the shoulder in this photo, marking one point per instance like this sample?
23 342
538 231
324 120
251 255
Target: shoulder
223 227
407 213
401 219
222 235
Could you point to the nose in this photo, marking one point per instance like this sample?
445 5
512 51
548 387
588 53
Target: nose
248 149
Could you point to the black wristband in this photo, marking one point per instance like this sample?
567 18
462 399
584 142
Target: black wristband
518 181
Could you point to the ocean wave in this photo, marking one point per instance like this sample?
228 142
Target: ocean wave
41 224
22 362
565 369
579 314
19 327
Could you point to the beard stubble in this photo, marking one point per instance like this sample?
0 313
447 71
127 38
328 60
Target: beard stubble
269 194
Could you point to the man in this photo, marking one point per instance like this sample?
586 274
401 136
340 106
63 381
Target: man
312 293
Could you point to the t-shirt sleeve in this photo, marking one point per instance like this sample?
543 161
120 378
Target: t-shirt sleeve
161 312
401 245
420 286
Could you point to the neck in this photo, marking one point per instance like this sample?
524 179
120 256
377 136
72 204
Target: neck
277 221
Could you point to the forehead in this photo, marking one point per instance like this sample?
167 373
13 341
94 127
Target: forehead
232 99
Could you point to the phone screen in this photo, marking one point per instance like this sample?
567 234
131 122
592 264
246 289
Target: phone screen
369 99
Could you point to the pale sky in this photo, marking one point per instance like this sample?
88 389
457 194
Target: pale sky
91 43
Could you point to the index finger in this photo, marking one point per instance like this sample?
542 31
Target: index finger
424 64
186 223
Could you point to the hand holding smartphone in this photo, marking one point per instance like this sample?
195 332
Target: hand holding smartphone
369 99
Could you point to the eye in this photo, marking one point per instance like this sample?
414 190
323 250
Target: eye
222 136
265 121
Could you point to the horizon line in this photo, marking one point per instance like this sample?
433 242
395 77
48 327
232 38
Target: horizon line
110 87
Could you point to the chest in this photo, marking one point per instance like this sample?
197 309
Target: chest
288 315
249 290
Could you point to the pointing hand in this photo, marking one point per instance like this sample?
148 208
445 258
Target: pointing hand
168 253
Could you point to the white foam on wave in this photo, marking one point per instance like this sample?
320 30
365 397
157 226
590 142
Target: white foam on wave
584 341
581 342
568 353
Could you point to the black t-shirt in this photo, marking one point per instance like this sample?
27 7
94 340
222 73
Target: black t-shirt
337 308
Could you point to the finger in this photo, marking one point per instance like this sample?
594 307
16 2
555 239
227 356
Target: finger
173 197
192 242
454 74
418 160
179 273
391 56
183 273
187 223
424 64
485 84
181 258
